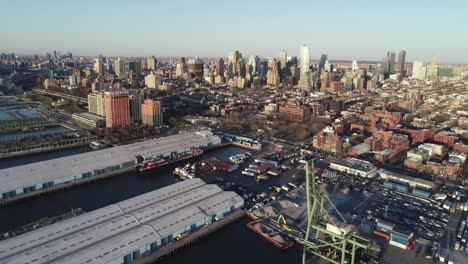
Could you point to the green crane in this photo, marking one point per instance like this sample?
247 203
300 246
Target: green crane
333 241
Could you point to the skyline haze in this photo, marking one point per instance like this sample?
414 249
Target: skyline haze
361 30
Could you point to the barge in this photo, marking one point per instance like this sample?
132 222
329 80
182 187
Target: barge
270 235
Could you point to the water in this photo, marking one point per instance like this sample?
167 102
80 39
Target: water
233 244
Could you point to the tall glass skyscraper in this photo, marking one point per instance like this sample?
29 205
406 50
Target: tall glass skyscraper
305 58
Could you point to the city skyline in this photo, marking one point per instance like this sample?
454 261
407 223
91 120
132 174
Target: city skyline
361 30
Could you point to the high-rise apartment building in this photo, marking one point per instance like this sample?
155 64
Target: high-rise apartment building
233 59
117 109
419 71
273 77
96 104
153 80
151 112
195 67
135 101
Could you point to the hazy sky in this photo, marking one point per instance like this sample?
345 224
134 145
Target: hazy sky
343 29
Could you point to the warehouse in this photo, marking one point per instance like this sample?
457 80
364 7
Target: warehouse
124 231
405 179
27 179
355 167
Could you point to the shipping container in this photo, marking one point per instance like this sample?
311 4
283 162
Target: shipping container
399 245
382 234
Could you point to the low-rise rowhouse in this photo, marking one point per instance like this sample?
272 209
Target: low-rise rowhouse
90 120
355 167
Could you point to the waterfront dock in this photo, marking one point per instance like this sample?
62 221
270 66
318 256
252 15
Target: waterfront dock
191 239
51 175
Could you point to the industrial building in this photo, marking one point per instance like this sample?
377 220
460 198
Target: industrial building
122 232
89 120
25 179
355 167
404 179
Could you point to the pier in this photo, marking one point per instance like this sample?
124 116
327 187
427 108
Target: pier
192 238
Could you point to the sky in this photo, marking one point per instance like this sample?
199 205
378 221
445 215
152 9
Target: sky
343 29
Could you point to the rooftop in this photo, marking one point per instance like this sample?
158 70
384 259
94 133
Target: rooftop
116 230
72 166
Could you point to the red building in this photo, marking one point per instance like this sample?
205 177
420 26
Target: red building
461 147
294 113
417 135
117 109
151 114
195 67
447 138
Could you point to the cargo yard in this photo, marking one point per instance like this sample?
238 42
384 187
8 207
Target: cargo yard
31 179
411 219
124 231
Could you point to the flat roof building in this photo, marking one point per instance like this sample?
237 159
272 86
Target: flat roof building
90 120
355 167
123 231
28 178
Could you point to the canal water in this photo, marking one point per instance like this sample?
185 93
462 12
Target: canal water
232 244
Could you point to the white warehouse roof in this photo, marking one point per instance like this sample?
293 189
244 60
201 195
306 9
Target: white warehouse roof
47 171
117 230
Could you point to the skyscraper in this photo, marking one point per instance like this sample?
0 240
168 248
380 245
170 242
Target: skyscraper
117 109
304 80
98 67
135 67
119 68
181 68
432 69
305 59
282 57
354 66
323 59
391 58
220 67
151 63
254 61
234 57
273 77
401 63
